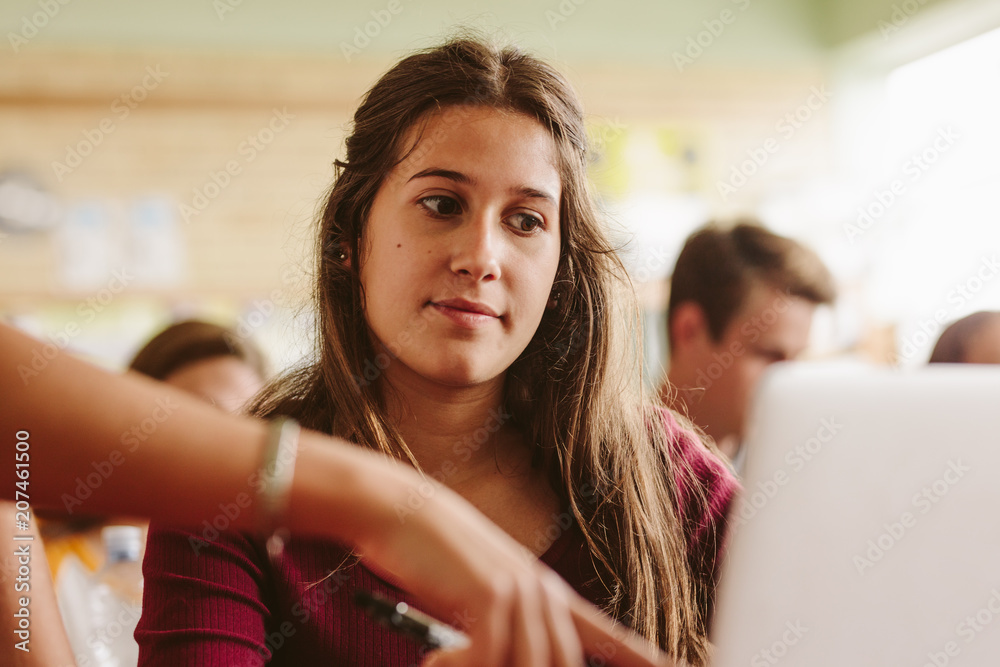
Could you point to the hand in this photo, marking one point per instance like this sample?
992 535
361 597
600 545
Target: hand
466 570
527 623
598 635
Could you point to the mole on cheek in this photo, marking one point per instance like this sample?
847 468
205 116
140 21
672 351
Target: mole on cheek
399 245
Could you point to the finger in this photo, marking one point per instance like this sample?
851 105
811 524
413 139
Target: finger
566 649
435 659
450 658
530 630
491 634
618 645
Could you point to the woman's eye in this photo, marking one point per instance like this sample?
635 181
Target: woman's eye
441 205
524 222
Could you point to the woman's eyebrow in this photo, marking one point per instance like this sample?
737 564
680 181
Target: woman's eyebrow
532 193
456 176
464 179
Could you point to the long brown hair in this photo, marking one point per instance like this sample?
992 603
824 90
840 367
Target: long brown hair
575 392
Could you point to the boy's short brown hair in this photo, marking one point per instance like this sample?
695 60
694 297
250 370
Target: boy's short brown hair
718 266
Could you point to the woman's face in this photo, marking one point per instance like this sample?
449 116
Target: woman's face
461 246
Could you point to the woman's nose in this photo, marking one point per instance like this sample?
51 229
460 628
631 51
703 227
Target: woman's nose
476 250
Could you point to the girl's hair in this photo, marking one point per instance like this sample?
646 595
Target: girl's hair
575 393
186 342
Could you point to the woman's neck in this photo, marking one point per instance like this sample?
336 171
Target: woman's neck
456 433
464 438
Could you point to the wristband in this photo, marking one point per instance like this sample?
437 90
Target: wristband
277 468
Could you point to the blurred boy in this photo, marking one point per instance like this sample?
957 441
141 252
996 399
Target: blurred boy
741 299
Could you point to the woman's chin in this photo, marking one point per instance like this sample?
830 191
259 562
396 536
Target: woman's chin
458 379
460 373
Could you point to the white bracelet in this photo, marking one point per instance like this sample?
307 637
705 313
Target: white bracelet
277 469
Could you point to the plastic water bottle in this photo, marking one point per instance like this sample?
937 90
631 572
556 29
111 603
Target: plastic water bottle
117 598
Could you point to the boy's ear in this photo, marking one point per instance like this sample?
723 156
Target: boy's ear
688 326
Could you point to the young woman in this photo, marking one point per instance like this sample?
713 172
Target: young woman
470 310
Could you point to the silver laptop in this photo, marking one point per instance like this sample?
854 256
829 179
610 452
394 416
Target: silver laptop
869 528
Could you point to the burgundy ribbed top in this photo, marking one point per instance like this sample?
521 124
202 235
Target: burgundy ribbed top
227 605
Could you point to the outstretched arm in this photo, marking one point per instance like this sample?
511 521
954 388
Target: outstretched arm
107 444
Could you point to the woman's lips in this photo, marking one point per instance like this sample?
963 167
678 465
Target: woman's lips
466 314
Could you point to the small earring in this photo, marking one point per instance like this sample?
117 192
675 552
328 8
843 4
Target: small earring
553 299
341 255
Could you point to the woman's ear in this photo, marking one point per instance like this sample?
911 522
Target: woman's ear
560 285
553 301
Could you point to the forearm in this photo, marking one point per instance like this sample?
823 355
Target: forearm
107 444
100 443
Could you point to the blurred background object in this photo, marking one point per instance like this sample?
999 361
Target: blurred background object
165 161
974 339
